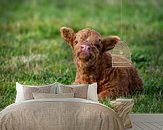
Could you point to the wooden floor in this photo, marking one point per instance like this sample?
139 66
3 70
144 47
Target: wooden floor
146 121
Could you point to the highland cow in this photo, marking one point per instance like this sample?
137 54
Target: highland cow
94 64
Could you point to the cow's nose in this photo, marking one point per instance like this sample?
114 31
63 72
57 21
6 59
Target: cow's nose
85 48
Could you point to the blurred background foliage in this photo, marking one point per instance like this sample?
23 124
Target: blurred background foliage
32 51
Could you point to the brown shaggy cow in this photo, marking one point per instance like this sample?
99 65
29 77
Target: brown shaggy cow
93 64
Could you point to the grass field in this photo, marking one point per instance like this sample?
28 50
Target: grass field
32 51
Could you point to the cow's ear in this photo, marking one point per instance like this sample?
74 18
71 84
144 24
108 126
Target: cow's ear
67 34
109 42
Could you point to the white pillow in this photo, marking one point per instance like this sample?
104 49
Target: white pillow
19 93
21 90
92 92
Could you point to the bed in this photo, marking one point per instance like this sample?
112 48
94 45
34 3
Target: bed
59 114
64 113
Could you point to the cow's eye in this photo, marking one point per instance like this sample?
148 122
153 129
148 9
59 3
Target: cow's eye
75 42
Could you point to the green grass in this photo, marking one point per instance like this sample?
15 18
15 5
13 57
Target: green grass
32 51
106 101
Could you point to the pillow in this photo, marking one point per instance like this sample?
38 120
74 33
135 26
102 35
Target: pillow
24 92
52 95
80 90
92 92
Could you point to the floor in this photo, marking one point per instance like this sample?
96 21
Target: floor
146 121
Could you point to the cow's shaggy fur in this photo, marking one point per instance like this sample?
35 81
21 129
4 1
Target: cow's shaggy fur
93 64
